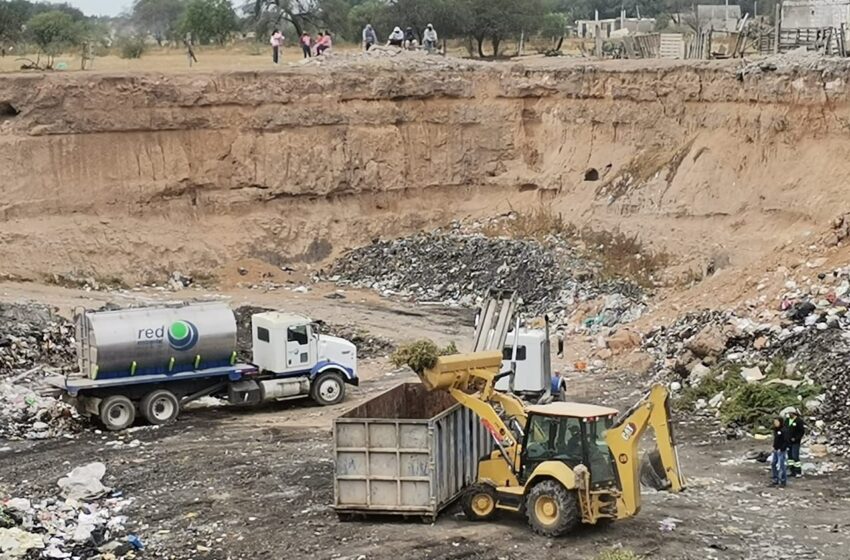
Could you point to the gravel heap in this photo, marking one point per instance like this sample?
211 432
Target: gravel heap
456 268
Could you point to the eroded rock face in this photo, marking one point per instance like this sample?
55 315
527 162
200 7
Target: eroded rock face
129 177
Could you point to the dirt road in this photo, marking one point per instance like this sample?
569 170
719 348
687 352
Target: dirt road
227 483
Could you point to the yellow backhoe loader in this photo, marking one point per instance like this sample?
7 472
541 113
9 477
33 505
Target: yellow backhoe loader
561 463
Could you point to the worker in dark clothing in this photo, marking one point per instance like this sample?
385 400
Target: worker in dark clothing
796 430
779 457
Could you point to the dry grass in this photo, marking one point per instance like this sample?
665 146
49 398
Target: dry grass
620 254
538 223
237 57
618 554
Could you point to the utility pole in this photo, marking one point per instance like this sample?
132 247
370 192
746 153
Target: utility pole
776 25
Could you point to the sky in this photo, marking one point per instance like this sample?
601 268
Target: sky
100 7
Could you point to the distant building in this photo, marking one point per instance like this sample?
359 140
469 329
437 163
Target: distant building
801 14
586 28
719 17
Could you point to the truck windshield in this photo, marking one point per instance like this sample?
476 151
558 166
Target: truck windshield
601 463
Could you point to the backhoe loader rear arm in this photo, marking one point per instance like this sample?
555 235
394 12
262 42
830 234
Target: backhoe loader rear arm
623 437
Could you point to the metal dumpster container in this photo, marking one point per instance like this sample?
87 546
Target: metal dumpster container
408 452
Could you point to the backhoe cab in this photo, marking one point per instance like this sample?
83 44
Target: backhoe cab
560 464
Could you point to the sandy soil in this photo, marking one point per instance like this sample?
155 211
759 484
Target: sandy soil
229 483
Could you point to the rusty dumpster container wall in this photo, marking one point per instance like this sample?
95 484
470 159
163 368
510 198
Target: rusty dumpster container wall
397 464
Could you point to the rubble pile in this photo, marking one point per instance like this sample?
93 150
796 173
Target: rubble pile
380 57
456 268
368 345
795 62
85 521
26 415
804 341
34 335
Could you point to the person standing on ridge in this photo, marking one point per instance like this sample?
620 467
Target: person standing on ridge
306 44
370 38
796 430
276 42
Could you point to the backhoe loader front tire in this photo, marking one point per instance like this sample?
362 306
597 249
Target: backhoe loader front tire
552 510
479 502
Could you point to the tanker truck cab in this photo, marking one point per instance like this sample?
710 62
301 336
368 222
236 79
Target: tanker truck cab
300 360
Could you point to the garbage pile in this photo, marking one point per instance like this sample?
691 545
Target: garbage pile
24 414
456 268
85 521
368 345
34 335
802 344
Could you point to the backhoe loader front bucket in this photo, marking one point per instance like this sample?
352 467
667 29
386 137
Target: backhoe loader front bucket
454 371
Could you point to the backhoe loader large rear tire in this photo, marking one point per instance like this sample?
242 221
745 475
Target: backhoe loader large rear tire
552 510
479 502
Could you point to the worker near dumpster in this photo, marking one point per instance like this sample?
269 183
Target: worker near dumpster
796 430
779 457
559 386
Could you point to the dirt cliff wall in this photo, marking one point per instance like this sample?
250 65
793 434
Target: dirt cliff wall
134 176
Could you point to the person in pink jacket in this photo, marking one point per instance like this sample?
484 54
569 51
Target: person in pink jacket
324 43
276 42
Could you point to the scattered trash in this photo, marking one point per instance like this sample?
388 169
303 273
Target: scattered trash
668 524
15 543
67 527
84 483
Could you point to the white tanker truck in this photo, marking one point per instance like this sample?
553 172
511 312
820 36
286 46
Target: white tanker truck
152 361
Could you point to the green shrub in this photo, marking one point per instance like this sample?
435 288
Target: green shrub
748 404
420 355
131 47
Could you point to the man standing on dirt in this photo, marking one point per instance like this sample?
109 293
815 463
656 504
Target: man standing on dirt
778 458
559 387
796 430
559 335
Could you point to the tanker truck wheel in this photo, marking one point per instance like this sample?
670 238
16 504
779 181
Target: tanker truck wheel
328 388
117 412
160 407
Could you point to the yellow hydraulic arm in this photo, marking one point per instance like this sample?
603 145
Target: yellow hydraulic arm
653 410
470 379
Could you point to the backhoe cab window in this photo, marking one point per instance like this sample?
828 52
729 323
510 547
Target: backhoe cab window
601 463
553 438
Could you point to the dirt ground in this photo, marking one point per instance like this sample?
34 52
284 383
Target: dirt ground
229 483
